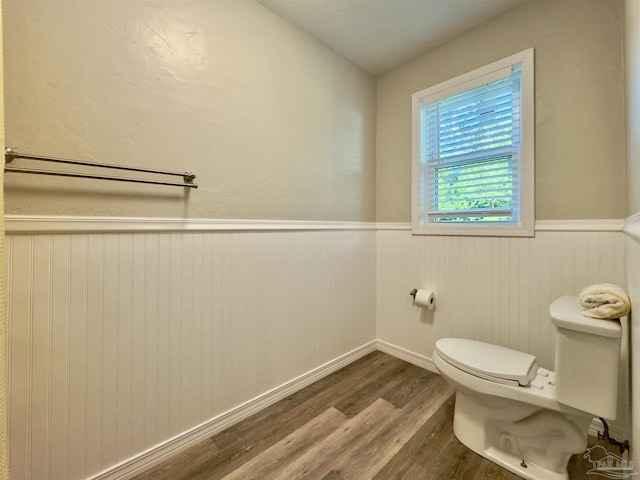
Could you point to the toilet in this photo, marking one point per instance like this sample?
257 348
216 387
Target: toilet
525 418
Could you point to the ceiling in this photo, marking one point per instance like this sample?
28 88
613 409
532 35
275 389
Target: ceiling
379 35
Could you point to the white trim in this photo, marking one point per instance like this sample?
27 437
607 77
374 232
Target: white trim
157 454
393 226
632 226
30 224
603 225
407 355
473 230
33 224
467 81
494 71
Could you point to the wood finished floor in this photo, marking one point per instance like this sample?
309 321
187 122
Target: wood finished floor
379 418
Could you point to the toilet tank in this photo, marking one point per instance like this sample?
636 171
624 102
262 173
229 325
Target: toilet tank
587 359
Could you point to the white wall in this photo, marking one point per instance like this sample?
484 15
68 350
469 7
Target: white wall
632 71
488 289
633 281
120 341
496 290
499 289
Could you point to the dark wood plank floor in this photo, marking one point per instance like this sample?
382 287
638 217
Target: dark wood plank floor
379 418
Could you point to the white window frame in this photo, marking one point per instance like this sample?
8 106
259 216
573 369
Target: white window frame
462 83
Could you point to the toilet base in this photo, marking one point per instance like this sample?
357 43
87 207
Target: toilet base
530 472
511 433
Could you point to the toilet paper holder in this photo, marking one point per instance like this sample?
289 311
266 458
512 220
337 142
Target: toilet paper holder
423 298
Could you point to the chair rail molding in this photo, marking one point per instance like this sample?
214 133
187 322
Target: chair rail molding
632 226
35 224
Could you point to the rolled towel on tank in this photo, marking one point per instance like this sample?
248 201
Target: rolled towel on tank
605 301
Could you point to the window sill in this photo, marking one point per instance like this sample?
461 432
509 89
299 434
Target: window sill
474 230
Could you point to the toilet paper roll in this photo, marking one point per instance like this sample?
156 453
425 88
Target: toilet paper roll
425 298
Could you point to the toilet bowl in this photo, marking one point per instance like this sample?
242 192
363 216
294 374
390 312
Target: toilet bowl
525 418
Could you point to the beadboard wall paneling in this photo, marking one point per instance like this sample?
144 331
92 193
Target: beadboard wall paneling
121 341
632 229
496 290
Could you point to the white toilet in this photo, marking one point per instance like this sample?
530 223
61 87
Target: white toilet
525 418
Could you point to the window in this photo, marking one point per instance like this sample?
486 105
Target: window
473 152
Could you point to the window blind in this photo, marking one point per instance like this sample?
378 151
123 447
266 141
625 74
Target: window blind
471 154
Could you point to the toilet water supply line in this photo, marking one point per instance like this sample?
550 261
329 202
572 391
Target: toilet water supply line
624 445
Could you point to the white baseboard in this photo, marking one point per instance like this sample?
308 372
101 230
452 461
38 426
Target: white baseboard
406 355
614 432
157 454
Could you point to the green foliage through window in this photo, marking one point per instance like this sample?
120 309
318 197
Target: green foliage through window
470 148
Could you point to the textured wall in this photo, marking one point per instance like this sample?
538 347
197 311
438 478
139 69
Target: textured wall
580 170
275 125
632 71
4 438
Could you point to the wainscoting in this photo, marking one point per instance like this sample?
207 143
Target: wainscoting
130 338
490 289
632 229
121 341
496 290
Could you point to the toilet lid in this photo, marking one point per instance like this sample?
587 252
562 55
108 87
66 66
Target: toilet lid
492 362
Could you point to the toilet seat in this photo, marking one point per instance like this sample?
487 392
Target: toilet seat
490 362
